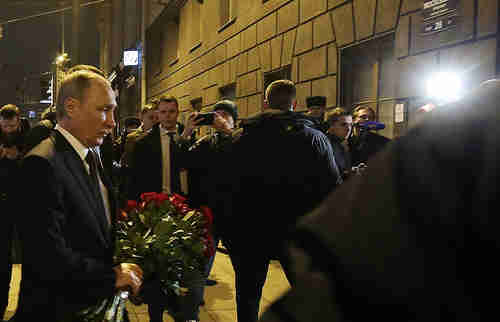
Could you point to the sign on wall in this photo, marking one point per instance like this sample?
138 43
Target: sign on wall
439 15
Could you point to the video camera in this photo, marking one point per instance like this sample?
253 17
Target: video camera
370 126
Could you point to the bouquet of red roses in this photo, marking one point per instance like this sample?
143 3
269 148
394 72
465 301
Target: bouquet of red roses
168 240
164 236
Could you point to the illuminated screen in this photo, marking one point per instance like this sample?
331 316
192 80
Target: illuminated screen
131 58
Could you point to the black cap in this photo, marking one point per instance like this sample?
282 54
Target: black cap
228 106
316 101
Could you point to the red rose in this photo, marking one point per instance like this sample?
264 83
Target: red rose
207 213
177 197
178 202
131 205
148 196
160 198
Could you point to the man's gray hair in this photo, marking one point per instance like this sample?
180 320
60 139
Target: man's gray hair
74 86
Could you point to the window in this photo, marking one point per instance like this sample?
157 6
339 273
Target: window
283 73
154 43
195 28
368 74
171 42
227 13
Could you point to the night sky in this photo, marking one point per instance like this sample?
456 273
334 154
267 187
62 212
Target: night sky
29 47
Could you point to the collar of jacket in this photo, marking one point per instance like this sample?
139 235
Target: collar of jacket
276 115
156 128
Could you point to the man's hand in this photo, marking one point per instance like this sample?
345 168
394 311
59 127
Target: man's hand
9 153
12 153
221 124
128 277
191 124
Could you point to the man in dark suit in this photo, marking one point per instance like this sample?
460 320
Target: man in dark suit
156 167
67 210
155 157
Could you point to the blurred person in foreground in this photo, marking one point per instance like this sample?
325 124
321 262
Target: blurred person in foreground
414 238
66 224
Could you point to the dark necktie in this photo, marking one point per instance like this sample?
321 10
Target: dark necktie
175 183
91 159
92 162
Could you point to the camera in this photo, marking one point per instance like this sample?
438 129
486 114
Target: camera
206 118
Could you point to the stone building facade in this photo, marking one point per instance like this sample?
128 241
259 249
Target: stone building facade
353 52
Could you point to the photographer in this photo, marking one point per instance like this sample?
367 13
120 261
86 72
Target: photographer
208 148
363 142
11 148
206 159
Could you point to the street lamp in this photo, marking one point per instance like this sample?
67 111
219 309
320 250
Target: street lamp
61 59
444 87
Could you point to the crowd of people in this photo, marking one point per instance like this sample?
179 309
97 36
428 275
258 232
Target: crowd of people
66 178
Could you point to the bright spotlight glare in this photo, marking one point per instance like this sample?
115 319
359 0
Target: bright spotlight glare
444 86
61 58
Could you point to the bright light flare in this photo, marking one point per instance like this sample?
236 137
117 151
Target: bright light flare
61 58
444 86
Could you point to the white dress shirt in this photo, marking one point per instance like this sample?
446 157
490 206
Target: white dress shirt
165 152
82 151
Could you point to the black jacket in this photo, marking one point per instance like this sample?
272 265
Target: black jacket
38 133
67 244
146 174
279 169
342 157
204 159
365 146
414 237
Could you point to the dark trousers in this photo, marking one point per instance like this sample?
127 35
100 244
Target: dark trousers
188 306
250 268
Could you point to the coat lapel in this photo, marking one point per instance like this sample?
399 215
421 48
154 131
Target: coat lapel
76 167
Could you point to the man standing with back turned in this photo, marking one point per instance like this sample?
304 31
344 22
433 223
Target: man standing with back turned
280 169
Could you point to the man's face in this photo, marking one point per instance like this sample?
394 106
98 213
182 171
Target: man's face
167 115
92 117
9 126
363 116
226 116
148 119
342 127
317 111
